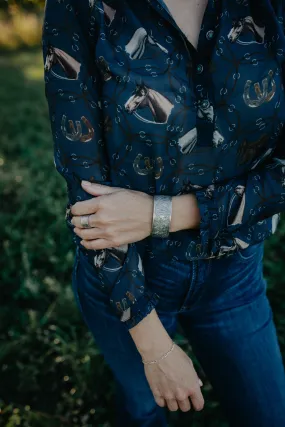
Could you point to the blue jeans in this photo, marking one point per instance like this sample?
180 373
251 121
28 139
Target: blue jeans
221 305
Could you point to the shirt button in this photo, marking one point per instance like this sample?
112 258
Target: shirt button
210 34
200 68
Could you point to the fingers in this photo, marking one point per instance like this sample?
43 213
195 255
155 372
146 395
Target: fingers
92 205
157 395
180 398
172 404
88 233
183 399
197 399
97 244
86 207
184 405
160 401
169 395
98 189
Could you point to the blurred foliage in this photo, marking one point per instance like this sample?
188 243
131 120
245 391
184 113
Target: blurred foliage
25 4
52 373
20 24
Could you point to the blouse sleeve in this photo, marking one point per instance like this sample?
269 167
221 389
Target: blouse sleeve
245 210
72 89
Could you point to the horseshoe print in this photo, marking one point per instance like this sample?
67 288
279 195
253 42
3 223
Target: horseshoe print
263 95
149 166
76 130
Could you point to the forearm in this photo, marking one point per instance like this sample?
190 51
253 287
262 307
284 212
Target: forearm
185 213
150 337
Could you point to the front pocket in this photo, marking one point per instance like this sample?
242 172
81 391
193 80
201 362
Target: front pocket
250 252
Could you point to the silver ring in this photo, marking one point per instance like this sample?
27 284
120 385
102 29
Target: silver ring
84 221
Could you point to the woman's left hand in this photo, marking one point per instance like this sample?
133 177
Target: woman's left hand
119 216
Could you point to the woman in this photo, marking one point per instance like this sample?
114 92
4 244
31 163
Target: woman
167 123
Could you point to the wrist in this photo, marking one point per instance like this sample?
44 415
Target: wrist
185 213
150 337
146 212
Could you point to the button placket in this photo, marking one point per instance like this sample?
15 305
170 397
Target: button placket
205 120
204 102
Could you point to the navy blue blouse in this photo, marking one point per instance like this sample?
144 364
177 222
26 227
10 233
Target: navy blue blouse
133 104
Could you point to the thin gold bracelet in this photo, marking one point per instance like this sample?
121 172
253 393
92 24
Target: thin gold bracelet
161 357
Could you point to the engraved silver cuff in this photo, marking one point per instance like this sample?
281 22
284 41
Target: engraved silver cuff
162 211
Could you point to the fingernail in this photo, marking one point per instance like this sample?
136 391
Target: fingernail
85 182
200 383
82 242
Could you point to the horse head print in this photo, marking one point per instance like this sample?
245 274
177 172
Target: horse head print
69 65
244 26
145 97
262 96
76 132
137 45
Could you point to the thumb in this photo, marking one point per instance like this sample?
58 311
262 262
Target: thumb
97 189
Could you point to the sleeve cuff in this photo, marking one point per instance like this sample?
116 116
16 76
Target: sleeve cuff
215 239
140 309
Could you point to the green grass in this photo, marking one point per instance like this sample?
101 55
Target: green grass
52 373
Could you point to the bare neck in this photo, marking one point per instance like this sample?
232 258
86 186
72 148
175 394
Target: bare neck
188 15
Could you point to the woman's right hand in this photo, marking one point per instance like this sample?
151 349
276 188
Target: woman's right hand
173 380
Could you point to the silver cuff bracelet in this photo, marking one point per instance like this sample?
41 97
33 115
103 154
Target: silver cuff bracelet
162 210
